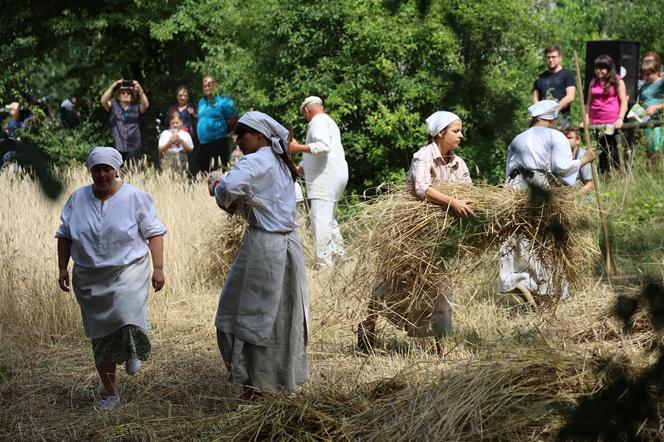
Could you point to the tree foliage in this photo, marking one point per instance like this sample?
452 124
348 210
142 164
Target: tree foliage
382 66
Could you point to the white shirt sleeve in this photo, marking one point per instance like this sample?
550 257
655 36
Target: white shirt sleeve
562 164
319 136
65 216
236 184
148 223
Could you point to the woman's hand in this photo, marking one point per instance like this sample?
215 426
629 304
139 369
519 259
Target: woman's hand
619 123
652 109
213 180
158 280
461 208
63 280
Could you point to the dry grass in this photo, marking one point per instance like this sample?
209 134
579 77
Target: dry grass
506 374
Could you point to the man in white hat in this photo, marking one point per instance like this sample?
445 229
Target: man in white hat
538 156
325 174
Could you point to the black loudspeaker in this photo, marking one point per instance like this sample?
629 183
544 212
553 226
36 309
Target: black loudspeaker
624 54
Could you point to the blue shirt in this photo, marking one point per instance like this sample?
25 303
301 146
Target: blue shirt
264 190
212 115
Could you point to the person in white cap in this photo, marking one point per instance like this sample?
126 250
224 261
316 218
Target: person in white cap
262 316
435 161
325 174
107 229
540 156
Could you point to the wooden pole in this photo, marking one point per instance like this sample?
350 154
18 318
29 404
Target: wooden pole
610 262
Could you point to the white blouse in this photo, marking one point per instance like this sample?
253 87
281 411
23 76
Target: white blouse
325 168
545 149
112 232
264 181
182 134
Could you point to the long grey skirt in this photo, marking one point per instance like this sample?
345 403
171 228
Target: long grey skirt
262 315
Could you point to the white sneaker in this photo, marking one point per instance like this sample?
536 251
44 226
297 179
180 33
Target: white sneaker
107 403
132 366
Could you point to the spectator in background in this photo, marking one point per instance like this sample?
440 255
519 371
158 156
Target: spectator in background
607 105
651 98
124 117
556 83
216 118
188 114
15 120
175 143
650 55
69 114
585 177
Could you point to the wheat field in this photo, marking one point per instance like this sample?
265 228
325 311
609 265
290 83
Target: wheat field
505 372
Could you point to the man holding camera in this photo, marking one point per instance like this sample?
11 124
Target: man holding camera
124 117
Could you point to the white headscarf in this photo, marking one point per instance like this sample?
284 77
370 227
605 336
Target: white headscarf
104 155
439 121
545 110
268 126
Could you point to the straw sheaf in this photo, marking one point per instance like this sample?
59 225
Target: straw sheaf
418 251
510 394
224 239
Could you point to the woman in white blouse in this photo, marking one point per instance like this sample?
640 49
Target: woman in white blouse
107 229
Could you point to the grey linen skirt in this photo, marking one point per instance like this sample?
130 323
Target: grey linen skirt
262 315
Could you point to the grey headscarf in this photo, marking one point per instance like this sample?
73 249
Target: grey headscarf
104 155
268 126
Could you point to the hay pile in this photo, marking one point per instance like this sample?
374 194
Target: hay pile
510 394
414 251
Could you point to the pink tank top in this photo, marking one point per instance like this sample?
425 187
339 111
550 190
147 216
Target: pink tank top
604 109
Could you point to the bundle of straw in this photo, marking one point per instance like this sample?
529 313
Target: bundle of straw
417 250
221 247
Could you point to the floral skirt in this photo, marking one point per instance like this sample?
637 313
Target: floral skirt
128 342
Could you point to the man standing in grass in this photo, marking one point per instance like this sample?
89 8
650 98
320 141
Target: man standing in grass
326 174
556 83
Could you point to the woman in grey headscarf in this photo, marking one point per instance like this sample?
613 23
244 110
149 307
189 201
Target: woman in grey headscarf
262 316
108 228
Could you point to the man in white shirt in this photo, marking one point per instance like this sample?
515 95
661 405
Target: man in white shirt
325 174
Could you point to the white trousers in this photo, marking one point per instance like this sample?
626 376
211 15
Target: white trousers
325 229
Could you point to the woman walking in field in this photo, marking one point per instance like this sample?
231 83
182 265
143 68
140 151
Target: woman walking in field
262 316
435 161
108 228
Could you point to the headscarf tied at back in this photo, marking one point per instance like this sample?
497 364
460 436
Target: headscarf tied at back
104 155
268 126
439 121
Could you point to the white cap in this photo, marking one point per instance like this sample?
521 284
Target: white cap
310 100
545 110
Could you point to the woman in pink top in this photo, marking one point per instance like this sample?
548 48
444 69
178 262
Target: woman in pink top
434 162
607 104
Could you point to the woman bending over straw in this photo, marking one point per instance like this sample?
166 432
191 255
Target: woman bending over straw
539 157
107 229
262 316
435 161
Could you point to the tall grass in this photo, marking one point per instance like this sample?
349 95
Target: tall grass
48 382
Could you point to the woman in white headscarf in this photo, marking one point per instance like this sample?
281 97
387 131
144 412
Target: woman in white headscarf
434 162
539 156
262 316
107 229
